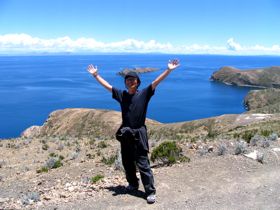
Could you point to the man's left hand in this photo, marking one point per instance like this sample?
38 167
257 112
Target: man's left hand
173 64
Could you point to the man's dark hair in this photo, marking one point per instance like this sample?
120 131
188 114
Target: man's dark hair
134 75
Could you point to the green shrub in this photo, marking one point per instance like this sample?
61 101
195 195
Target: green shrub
236 135
110 160
102 144
91 142
52 162
248 135
57 164
193 140
96 178
60 157
43 169
168 153
52 154
266 133
184 159
211 133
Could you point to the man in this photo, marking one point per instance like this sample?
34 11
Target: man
133 133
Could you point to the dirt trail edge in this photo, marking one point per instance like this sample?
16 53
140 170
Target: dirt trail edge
229 182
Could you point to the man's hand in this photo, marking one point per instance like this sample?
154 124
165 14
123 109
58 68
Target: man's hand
92 70
173 64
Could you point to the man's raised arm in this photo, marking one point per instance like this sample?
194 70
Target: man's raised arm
94 72
173 64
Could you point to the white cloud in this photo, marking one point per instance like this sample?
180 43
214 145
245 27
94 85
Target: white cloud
27 43
232 45
24 43
257 49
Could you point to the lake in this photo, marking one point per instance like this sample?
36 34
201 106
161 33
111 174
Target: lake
33 86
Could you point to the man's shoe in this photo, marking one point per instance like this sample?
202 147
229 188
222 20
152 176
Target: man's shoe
151 198
131 188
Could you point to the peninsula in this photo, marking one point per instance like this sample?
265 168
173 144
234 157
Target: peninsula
260 77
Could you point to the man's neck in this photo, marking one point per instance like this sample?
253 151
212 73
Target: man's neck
132 91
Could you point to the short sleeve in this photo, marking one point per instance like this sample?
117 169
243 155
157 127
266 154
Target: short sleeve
150 91
117 94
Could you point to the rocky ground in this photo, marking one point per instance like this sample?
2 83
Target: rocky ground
219 176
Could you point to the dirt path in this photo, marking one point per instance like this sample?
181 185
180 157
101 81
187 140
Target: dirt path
229 182
207 182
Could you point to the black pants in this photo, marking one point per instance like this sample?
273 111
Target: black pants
132 155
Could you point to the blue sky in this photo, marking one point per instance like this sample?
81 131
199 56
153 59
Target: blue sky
167 26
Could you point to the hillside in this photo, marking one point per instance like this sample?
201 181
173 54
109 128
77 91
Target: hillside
102 125
51 166
234 162
261 77
263 101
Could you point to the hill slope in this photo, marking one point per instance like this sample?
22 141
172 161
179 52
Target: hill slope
264 77
263 101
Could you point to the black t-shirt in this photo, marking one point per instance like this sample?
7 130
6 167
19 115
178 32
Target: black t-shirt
133 106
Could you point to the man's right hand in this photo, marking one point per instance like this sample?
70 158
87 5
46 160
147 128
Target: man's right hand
92 70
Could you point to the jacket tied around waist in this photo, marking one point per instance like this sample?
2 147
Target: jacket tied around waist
138 136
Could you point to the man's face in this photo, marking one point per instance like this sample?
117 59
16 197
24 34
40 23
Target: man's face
131 83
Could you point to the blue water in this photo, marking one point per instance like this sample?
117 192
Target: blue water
33 86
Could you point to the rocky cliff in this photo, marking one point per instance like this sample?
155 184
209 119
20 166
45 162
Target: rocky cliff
263 101
263 77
